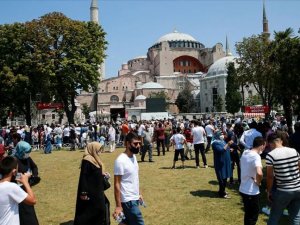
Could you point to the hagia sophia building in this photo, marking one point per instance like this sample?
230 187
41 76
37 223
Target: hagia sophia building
173 60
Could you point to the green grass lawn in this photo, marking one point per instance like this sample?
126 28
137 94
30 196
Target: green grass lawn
173 197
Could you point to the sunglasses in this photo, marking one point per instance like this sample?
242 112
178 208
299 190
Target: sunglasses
136 143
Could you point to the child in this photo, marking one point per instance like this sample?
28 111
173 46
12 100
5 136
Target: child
178 140
11 193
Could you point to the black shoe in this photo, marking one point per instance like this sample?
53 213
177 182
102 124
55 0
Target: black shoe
187 158
151 161
142 160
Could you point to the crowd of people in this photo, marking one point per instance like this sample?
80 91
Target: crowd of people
235 144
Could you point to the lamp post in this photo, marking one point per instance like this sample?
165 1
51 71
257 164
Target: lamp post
96 103
124 106
243 96
38 99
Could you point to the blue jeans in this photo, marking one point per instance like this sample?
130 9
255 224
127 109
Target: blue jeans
282 200
132 213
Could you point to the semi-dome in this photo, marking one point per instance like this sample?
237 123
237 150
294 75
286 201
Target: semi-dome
140 97
176 36
151 85
220 66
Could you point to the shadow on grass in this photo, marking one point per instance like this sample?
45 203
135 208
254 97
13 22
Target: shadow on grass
70 222
179 167
213 182
205 193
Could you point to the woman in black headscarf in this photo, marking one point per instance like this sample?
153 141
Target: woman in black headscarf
92 206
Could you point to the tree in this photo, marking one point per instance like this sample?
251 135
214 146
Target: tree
86 110
233 99
253 100
69 53
256 67
160 94
15 85
219 104
53 55
286 55
185 100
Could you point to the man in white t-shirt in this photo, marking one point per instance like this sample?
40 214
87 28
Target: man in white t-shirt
251 176
126 183
11 193
112 137
198 134
66 134
209 129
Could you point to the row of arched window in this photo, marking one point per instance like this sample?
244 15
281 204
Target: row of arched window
185 44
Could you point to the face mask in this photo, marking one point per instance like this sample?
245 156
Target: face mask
222 137
261 150
26 156
134 150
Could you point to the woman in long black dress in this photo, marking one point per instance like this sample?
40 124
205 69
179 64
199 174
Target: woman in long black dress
26 165
90 205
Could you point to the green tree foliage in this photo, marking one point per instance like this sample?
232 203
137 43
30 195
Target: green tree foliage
219 104
54 56
185 100
14 69
286 55
256 67
233 99
253 100
69 53
160 94
86 110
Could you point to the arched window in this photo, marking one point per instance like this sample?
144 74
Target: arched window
114 98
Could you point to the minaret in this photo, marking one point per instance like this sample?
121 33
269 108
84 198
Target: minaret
265 23
94 11
228 52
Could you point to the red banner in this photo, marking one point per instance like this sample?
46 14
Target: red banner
257 109
51 105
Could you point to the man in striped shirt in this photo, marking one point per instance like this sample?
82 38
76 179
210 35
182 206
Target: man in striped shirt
283 164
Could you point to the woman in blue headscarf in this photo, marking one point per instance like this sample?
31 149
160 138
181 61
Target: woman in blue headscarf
27 165
48 138
222 161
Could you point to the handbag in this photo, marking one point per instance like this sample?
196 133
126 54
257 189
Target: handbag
34 180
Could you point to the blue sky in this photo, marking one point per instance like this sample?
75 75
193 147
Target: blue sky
134 26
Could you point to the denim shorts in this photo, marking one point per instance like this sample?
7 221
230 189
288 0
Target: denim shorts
132 212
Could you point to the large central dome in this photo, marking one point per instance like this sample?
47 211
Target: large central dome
176 36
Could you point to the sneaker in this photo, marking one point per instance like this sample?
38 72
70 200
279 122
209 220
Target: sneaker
226 196
285 212
173 167
266 210
197 167
206 166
